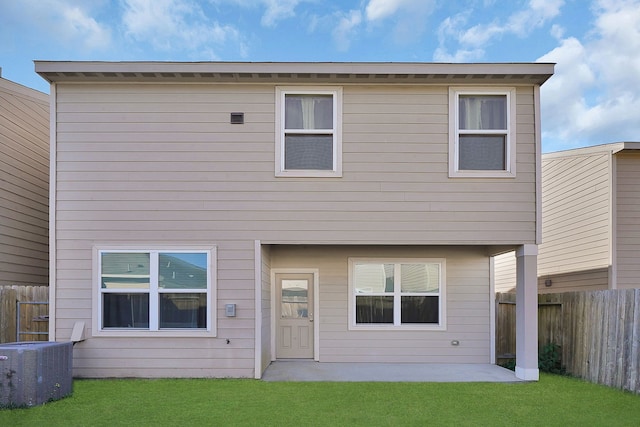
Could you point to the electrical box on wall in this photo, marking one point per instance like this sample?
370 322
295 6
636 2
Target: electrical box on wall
230 310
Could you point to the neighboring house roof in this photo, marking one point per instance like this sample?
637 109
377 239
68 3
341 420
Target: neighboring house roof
346 72
614 147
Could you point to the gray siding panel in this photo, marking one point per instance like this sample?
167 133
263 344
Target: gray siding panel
24 196
576 214
504 270
584 280
628 219
394 162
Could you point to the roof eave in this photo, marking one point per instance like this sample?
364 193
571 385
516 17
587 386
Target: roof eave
335 72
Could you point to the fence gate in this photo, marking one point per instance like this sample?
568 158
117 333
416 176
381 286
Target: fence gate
32 321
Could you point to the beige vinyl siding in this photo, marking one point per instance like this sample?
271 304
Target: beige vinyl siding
467 306
24 196
160 163
576 213
585 280
165 357
628 219
190 159
504 269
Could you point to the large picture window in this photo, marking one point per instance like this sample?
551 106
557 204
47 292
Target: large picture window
482 133
155 290
309 140
396 293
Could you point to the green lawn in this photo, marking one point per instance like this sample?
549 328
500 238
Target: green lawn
553 401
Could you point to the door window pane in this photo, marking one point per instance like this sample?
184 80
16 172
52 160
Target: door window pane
294 299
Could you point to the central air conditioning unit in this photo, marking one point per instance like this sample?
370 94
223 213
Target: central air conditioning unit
33 373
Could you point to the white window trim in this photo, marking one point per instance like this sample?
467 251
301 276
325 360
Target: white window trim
442 324
454 93
210 330
336 92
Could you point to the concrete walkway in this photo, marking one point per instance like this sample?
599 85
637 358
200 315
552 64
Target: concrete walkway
287 370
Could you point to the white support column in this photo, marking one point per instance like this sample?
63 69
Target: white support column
527 313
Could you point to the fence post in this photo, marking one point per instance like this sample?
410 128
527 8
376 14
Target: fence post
8 304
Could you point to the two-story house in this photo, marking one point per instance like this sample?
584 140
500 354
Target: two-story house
209 218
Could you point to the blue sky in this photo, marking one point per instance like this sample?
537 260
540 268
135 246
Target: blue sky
593 98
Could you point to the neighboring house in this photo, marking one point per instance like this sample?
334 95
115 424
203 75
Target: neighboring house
210 218
24 185
591 221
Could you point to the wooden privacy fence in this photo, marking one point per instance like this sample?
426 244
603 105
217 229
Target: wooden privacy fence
598 332
31 303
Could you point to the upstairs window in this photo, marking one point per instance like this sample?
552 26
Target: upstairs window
482 133
308 132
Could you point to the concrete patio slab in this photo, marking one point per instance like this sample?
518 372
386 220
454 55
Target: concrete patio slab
288 370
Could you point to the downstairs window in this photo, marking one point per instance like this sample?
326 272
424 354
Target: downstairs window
396 293
155 290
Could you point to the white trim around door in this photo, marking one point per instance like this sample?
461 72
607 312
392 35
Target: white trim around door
316 305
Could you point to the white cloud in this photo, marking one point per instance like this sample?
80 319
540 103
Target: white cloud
345 30
473 40
380 9
449 29
58 21
605 63
277 10
169 25
409 16
557 31
82 27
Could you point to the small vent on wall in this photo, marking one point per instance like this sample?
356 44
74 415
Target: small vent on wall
237 118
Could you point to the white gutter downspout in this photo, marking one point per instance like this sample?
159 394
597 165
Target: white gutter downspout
52 211
538 140
257 269
613 222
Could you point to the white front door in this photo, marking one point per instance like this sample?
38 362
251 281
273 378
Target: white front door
294 316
